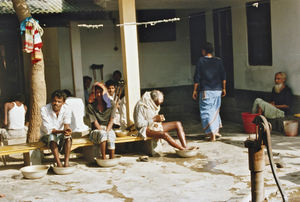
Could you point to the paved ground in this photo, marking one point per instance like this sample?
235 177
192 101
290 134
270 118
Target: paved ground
218 173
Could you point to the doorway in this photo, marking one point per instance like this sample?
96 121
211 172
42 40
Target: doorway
223 44
11 66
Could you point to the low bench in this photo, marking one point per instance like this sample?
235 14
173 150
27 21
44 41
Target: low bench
26 148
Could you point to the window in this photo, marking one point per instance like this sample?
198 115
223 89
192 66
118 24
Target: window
159 32
259 33
197 35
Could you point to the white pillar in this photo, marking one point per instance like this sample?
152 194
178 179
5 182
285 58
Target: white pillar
76 60
130 55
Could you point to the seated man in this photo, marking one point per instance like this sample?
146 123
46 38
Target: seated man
55 129
14 118
149 122
77 108
111 92
280 100
100 112
111 89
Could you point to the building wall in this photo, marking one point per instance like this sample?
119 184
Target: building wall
166 64
162 64
65 60
285 48
97 47
51 59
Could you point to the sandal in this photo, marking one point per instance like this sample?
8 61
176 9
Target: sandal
143 159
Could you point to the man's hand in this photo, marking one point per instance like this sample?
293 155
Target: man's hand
223 92
159 118
67 132
102 85
195 94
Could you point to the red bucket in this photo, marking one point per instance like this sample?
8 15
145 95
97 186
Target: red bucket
247 122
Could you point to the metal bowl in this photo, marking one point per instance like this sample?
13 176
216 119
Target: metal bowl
34 172
187 153
65 170
121 133
108 162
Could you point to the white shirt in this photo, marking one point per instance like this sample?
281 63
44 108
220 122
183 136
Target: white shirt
78 112
50 121
16 117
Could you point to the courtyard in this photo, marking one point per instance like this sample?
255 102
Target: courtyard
219 172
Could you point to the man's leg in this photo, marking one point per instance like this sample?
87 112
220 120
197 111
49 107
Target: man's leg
54 149
176 125
68 144
103 149
269 111
165 136
111 138
111 153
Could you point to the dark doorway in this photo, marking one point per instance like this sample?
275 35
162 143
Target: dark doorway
223 43
259 33
11 67
197 35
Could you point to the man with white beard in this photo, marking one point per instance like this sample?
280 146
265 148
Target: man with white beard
281 99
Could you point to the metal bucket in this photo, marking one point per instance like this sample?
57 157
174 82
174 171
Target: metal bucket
290 127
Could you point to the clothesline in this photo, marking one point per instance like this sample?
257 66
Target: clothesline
90 26
152 23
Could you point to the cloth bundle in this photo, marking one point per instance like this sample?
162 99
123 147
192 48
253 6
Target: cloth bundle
33 41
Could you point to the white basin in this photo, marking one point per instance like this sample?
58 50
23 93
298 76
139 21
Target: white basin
187 152
108 162
65 170
35 171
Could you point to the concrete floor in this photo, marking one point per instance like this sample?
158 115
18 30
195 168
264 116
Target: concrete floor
218 173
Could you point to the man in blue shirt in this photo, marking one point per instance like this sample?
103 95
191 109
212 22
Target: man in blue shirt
210 84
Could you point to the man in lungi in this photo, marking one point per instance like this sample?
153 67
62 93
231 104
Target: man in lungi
210 84
281 99
55 129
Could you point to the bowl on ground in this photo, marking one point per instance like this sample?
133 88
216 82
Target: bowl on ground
121 133
108 162
186 153
290 127
35 171
65 170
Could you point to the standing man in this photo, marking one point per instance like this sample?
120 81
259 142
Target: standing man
210 83
117 76
281 100
86 84
55 129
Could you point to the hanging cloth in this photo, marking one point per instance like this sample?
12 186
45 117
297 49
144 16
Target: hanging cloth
33 41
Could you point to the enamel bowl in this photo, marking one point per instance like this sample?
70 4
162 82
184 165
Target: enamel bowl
108 162
121 133
187 153
65 170
35 171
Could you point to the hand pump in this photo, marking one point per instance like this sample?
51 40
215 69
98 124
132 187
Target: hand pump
257 158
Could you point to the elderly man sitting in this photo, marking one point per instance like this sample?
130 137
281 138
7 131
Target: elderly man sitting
150 124
280 101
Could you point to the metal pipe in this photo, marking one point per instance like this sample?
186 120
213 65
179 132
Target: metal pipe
256 167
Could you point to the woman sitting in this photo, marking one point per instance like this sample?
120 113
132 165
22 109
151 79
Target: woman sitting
100 112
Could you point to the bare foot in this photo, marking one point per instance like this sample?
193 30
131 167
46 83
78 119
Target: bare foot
218 135
193 148
212 138
2 195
